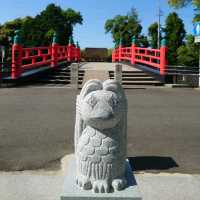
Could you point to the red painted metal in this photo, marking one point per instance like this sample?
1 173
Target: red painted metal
54 51
16 61
30 58
70 52
155 58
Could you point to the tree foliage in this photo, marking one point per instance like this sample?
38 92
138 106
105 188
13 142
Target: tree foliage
175 34
124 27
196 18
38 30
183 3
153 34
142 41
188 54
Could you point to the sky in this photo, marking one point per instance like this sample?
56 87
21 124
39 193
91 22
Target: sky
95 13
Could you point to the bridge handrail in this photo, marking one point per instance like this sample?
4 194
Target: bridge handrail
25 58
155 58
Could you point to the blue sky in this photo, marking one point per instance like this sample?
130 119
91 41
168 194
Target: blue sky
95 13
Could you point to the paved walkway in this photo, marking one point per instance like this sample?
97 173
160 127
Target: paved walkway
48 185
100 70
103 66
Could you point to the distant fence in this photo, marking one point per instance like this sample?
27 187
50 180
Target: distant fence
24 59
155 58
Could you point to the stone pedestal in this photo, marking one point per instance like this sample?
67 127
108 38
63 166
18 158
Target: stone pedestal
72 192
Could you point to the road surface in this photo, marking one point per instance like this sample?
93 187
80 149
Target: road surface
37 128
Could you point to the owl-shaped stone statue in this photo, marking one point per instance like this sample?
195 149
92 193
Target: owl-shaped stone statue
100 136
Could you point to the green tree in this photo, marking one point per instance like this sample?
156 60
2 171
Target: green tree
175 34
196 18
8 29
38 31
183 3
188 54
142 41
153 34
124 27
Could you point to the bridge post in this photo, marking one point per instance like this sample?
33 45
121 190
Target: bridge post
55 45
74 75
118 73
16 56
133 50
163 57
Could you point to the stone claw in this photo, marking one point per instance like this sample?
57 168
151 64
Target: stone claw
84 183
119 184
101 186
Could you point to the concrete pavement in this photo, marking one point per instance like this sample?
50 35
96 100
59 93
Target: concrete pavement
47 185
37 128
104 66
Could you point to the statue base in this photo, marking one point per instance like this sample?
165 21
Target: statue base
72 192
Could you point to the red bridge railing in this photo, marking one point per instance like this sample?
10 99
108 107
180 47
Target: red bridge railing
155 58
24 59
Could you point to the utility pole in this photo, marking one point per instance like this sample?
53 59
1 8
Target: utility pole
159 16
197 41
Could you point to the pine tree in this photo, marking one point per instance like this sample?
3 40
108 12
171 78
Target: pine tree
175 34
153 34
188 54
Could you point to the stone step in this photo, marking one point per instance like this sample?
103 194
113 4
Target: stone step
60 77
57 81
141 83
137 78
54 81
133 75
80 73
130 72
139 86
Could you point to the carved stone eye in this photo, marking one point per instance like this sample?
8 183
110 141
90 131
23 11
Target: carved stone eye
92 101
113 101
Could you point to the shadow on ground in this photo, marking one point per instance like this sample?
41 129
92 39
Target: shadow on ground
152 163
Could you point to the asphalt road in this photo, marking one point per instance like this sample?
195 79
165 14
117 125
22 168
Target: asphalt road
36 128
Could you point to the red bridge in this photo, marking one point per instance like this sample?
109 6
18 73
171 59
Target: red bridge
152 58
22 62
26 61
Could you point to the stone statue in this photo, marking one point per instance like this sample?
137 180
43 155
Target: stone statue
100 137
